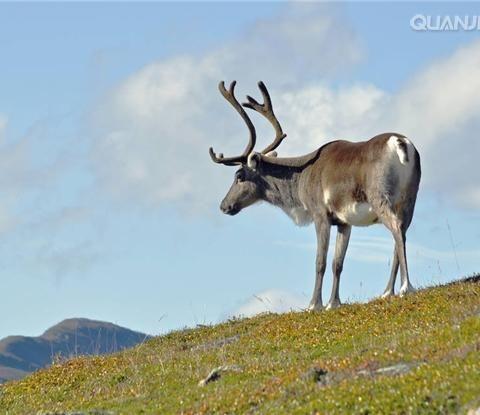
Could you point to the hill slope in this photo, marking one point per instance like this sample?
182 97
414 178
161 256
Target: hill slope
418 354
20 355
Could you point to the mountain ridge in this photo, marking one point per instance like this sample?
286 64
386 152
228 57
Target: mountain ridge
21 355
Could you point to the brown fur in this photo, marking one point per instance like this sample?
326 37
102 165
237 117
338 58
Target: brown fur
342 183
325 184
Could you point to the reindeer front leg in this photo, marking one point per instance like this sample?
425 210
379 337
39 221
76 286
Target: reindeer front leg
322 227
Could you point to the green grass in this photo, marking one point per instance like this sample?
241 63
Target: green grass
436 332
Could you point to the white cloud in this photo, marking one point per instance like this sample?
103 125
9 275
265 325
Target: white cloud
315 114
294 46
272 301
3 127
440 109
154 130
441 98
152 133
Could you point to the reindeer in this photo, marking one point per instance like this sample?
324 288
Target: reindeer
342 183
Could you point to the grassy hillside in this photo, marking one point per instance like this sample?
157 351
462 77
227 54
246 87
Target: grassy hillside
419 354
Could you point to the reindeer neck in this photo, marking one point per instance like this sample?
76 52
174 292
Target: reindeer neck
281 186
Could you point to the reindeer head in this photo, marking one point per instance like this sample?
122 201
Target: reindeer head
248 186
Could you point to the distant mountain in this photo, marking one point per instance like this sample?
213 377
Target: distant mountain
21 355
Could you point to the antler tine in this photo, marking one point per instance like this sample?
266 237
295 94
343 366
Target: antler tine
230 97
267 111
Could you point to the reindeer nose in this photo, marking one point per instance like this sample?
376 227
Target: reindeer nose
229 208
225 208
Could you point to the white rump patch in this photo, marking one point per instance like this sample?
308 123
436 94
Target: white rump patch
396 147
402 165
357 214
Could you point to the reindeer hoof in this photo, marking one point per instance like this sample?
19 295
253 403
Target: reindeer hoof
406 290
315 307
388 293
333 304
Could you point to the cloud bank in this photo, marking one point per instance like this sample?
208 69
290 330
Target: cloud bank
154 129
270 301
3 127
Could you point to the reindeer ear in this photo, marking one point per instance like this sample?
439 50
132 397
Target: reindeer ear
253 161
272 154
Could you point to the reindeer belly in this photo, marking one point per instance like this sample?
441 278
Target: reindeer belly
357 214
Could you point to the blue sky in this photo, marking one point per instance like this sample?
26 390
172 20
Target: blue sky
110 201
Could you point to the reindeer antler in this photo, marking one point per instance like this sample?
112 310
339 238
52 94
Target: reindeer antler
230 97
267 111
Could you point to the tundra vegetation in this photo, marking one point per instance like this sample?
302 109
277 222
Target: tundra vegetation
416 354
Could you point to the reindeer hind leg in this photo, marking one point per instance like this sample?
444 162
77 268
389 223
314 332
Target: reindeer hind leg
343 237
390 288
